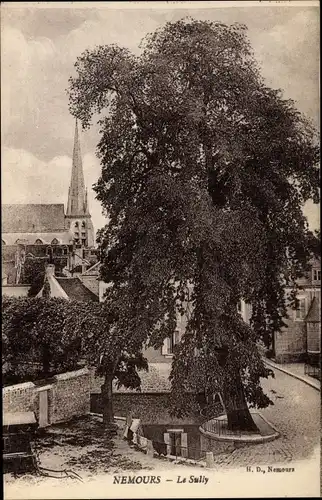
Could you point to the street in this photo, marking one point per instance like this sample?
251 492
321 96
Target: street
295 414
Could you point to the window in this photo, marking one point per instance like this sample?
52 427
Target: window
170 343
38 241
316 274
76 224
83 224
300 309
3 242
54 242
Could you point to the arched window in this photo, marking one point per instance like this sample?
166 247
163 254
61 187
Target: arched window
83 224
76 224
55 241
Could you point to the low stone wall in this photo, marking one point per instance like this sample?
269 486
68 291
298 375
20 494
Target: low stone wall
148 407
19 397
68 396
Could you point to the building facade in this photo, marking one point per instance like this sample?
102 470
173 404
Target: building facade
300 340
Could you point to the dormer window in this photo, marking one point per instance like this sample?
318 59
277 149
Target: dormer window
54 241
39 242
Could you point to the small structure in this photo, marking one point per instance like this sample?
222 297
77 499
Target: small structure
18 433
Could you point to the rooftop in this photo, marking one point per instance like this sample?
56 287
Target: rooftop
76 290
33 218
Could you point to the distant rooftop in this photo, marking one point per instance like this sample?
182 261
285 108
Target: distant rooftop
76 290
33 218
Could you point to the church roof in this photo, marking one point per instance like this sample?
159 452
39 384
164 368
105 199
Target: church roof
77 195
33 218
76 290
13 238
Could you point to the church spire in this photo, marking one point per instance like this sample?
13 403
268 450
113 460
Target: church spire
77 199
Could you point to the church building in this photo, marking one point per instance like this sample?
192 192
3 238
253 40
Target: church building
45 231
78 218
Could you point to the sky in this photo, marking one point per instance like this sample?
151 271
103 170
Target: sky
40 44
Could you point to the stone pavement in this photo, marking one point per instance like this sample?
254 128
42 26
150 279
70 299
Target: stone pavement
296 370
295 414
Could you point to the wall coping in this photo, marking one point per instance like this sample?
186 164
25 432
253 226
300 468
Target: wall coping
14 285
68 375
16 387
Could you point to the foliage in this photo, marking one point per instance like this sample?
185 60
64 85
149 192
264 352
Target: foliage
204 174
34 274
59 334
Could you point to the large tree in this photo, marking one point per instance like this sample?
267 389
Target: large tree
204 174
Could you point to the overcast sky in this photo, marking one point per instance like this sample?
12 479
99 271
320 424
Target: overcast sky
40 45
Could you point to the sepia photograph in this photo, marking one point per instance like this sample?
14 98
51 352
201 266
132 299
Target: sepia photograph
161 249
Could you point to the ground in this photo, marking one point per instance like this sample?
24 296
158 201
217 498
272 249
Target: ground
81 446
295 414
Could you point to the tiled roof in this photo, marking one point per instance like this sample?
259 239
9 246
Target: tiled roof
63 237
91 282
75 290
313 316
35 218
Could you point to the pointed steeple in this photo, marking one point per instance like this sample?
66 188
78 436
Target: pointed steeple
77 198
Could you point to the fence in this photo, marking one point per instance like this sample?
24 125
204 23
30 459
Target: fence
220 428
312 371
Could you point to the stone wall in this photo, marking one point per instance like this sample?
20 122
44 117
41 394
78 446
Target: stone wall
19 398
314 337
290 343
68 396
15 290
148 407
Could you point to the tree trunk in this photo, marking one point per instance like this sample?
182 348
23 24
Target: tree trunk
238 414
46 358
107 402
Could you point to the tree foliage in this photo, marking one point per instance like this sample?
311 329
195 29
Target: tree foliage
58 335
204 174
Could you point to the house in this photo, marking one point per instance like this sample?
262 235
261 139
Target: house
300 340
69 288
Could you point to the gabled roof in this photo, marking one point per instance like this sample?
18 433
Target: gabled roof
76 290
313 316
33 218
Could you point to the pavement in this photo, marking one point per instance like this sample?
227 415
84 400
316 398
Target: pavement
295 370
295 414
